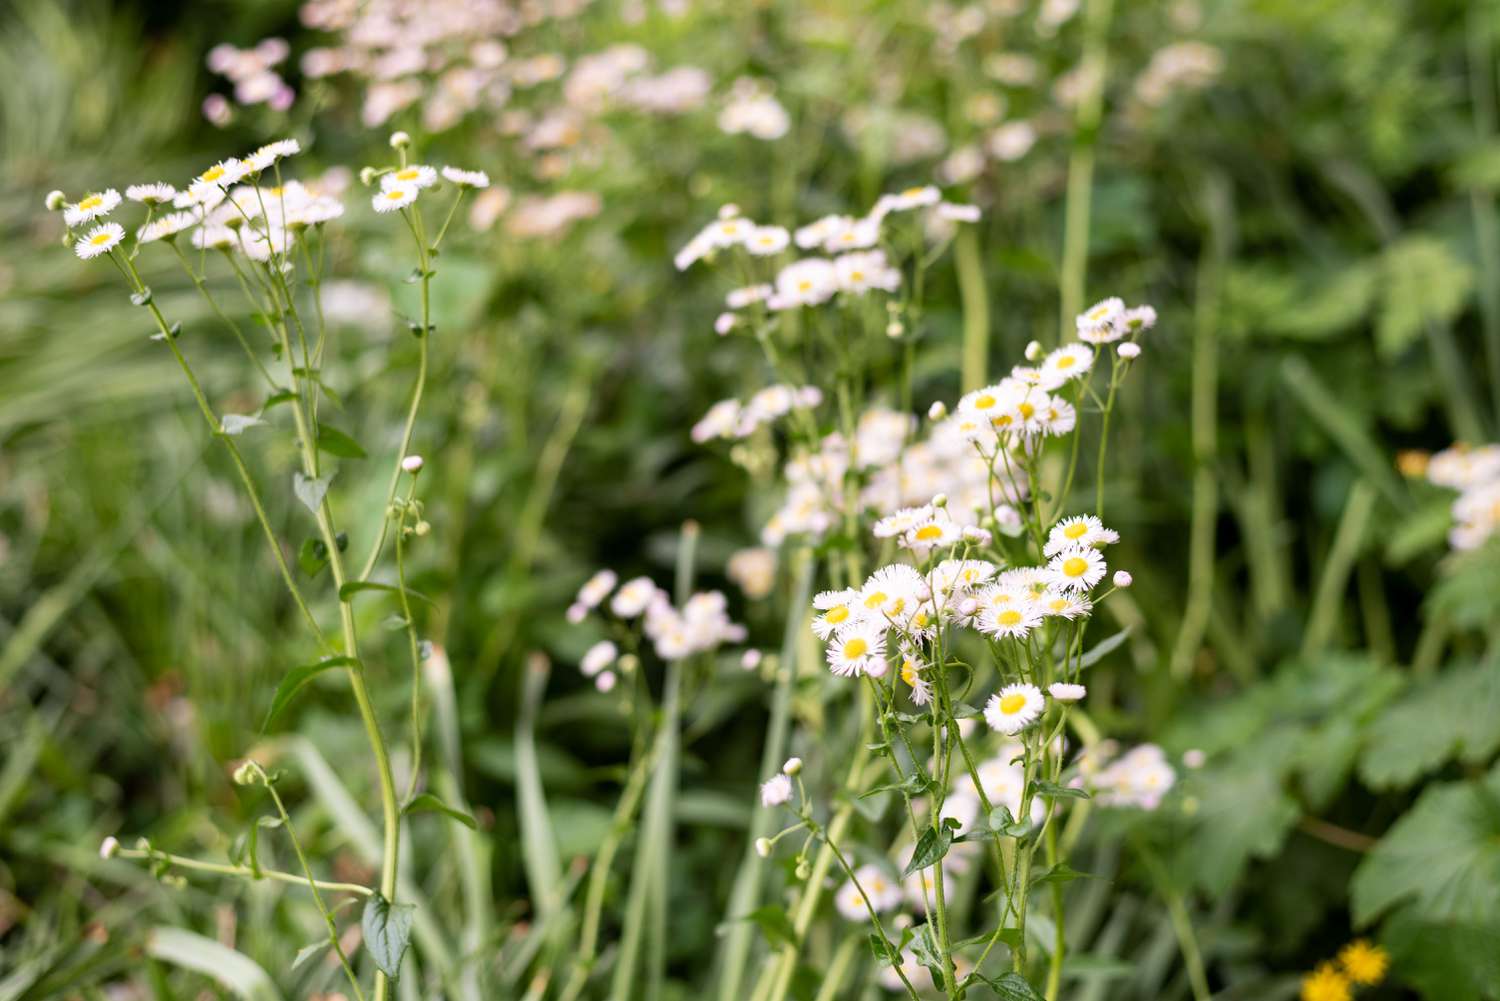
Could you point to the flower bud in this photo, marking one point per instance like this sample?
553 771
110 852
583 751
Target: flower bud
728 210
1129 350
628 663
804 869
1123 578
894 329
1193 758
937 411
763 847
367 175
412 464
750 659
248 773
724 323
605 682
110 847
577 612
968 606
793 766
940 500
1033 350
400 140
421 528
56 200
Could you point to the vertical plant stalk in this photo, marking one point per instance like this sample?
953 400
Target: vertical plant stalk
538 843
1347 540
976 310
1094 65
743 898
1482 202
1205 391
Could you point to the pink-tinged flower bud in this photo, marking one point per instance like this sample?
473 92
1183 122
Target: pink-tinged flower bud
968 606
1129 350
1123 578
605 682
750 659
412 464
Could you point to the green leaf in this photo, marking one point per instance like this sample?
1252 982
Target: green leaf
1423 282
1442 857
1468 593
335 442
277 398
773 924
234 424
1452 960
387 931
1060 873
308 952
1243 812
1423 530
311 491
1104 648
294 679
930 849
1456 714
428 803
1059 791
353 587
1012 987
312 556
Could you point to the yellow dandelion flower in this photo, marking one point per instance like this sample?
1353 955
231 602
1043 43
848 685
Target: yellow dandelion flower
1364 963
1326 983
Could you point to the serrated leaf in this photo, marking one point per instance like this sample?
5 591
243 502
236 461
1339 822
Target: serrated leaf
311 491
1456 714
1451 960
428 803
233 424
335 442
297 677
387 931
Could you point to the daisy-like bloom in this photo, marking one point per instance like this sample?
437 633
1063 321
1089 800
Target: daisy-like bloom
268 154
725 322
764 241
201 195
167 226
741 297
893 593
1363 963
883 894
1064 604
1138 319
90 207
633 597
394 197
1326 983
775 791
1013 619
905 201
839 609
157 193
1058 418
721 421
728 231
599 656
213 238
99 240
860 272
816 233
1068 362
597 588
856 234
224 173
262 247
1014 707
858 649
1102 322
901 521
807 282
1080 530
466 178
911 673
1066 693
692 252
1078 568
416 175
937 532
317 211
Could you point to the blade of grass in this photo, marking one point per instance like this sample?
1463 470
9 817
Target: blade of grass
1354 523
538 842
1340 424
234 971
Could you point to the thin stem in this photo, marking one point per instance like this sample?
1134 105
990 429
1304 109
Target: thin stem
241 871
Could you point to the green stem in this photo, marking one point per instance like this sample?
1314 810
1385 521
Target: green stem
1081 165
241 871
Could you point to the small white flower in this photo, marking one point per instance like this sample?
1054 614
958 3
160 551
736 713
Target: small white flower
1064 604
413 464
793 766
775 791
466 178
224 173
958 213
807 282
1129 350
1012 619
157 193
395 197
1102 322
1081 530
99 240
839 609
606 682
905 201
416 175
750 660
1076 569
764 241
911 673
724 323
633 597
599 656
1066 363
1123 578
883 894
167 226
90 207
1013 708
858 649
1137 319
213 238
860 272
932 533
1194 758
1066 693
741 297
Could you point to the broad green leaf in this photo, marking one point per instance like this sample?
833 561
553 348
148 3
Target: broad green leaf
335 442
1423 530
234 971
293 680
1422 282
1456 714
387 931
1467 594
1060 873
428 803
1451 960
930 848
308 952
1243 812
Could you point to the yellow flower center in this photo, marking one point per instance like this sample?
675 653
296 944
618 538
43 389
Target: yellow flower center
1066 361
1012 704
909 673
1075 566
911 192
91 202
1077 530
836 614
804 286
984 402
875 600
856 648
1098 312
1058 604
212 173
1009 617
1003 421
1026 409
856 276
409 174
919 620
395 195
929 532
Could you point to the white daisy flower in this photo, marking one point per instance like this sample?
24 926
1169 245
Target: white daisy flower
633 597
99 240
860 272
224 173
1068 605
775 791
416 175
268 154
262 247
1066 693
933 533
901 521
166 226
1068 362
201 195
911 673
213 238
1138 319
720 421
1076 569
1014 707
894 593
157 193
394 197
807 282
839 609
816 233
905 201
1059 418
1079 530
741 297
729 232
1014 620
858 648
90 207
1102 322
599 656
317 211
856 235
466 178
957 213
764 241
692 252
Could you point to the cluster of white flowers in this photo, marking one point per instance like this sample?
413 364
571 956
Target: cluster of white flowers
884 892
733 419
751 109
1109 320
1475 473
1138 778
253 73
700 625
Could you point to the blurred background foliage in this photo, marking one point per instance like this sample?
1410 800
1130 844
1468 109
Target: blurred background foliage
1316 224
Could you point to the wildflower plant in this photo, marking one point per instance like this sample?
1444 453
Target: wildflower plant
241 219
